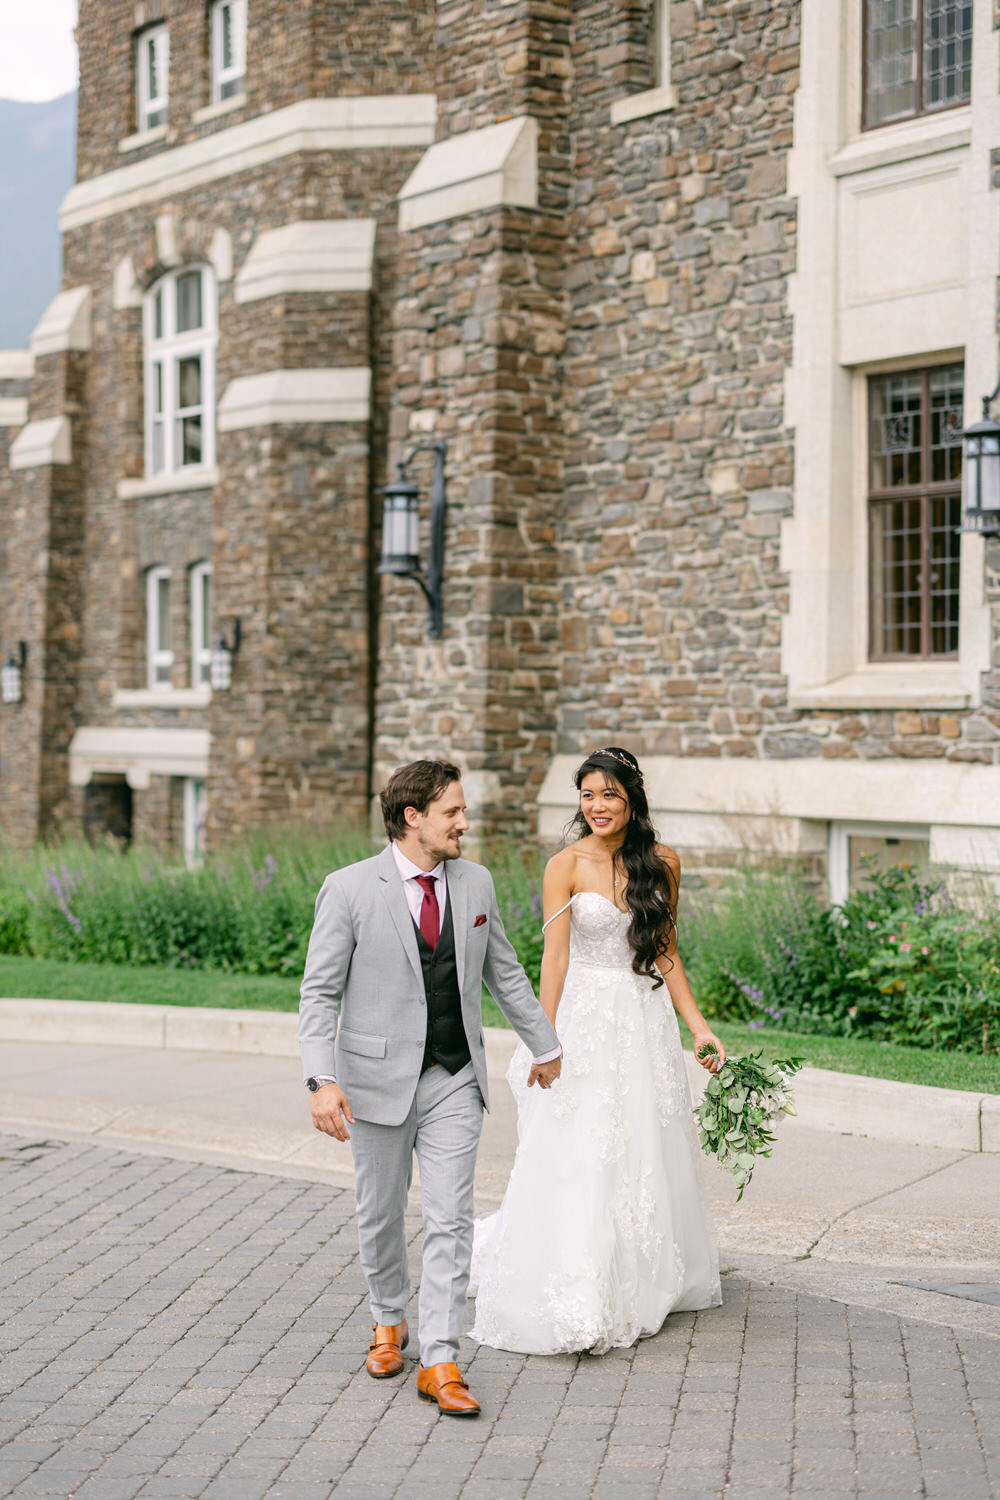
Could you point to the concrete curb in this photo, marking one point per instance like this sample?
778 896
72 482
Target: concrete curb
876 1107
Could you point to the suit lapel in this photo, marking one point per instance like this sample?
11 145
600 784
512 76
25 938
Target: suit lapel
458 899
395 900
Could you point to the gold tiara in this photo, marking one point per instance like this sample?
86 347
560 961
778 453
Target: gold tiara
616 755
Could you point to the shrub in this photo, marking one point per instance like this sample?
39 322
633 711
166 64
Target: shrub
899 961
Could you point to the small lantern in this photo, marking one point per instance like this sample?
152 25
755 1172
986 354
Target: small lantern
401 531
982 473
221 666
401 526
12 674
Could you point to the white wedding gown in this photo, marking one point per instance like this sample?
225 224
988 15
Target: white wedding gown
604 1229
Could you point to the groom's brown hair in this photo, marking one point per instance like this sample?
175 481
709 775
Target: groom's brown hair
415 785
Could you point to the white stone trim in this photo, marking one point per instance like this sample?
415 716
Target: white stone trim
280 397
160 698
143 138
167 484
346 124
65 323
137 754
224 107
951 794
480 169
220 254
858 310
906 141
13 411
46 441
314 255
125 288
650 102
16 364
918 685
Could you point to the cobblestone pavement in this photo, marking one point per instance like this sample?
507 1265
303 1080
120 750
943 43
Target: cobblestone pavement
189 1332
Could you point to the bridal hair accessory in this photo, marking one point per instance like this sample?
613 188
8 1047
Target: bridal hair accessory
626 760
742 1101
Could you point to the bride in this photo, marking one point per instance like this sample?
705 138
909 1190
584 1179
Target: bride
603 1229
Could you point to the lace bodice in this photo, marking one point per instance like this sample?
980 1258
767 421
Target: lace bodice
598 932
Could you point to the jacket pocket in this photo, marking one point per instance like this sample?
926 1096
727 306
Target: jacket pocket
361 1043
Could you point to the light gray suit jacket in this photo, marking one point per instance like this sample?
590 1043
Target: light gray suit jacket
363 1012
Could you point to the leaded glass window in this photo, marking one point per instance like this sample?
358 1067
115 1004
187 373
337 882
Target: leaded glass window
915 510
917 57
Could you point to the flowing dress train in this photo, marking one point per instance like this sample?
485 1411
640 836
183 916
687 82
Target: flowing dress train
604 1229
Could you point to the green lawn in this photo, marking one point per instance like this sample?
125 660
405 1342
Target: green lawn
53 980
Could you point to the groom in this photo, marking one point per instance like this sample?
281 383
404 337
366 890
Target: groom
390 1031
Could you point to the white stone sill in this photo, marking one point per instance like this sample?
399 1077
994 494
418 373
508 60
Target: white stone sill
223 107
906 141
637 106
16 364
167 484
143 138
13 411
161 698
923 687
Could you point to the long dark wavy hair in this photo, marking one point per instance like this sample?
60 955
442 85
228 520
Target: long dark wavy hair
650 893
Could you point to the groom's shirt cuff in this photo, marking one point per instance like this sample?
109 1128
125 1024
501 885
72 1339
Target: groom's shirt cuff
547 1057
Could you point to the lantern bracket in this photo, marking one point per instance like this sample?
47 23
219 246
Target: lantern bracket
408 565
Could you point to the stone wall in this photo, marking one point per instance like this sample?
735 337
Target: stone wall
480 321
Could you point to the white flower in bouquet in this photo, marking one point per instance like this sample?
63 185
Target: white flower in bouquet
743 1101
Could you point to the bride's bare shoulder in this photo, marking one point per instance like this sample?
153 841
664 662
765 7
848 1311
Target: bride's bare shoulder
563 863
670 858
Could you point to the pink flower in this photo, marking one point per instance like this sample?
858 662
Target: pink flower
892 937
871 926
925 950
904 947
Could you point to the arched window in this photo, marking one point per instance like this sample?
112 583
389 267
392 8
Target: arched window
180 336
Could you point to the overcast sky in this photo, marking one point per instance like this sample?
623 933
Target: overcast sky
37 50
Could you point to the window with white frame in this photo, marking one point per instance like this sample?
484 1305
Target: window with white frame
152 60
229 48
159 657
180 334
195 808
659 97
857 849
917 57
200 580
914 512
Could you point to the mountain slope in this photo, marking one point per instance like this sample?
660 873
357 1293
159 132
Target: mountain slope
37 158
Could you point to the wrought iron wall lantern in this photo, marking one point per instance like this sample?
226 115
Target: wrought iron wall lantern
12 674
401 531
982 472
221 666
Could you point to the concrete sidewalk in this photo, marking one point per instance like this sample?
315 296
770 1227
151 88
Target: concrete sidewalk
832 1212
184 1317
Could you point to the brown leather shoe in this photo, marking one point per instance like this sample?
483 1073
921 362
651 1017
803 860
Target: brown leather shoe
444 1384
384 1357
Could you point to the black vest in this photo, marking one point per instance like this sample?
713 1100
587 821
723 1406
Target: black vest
446 1040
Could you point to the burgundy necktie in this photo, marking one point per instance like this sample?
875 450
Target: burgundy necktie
430 917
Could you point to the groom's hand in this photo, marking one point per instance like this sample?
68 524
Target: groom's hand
330 1110
545 1074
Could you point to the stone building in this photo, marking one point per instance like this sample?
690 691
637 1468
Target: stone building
698 293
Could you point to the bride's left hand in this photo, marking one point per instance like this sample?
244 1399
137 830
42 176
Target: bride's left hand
712 1061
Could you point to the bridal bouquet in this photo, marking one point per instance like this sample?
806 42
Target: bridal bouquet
743 1100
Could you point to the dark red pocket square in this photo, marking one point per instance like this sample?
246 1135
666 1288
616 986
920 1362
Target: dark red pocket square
480 919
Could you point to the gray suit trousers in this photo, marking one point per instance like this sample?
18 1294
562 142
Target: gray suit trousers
443 1127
